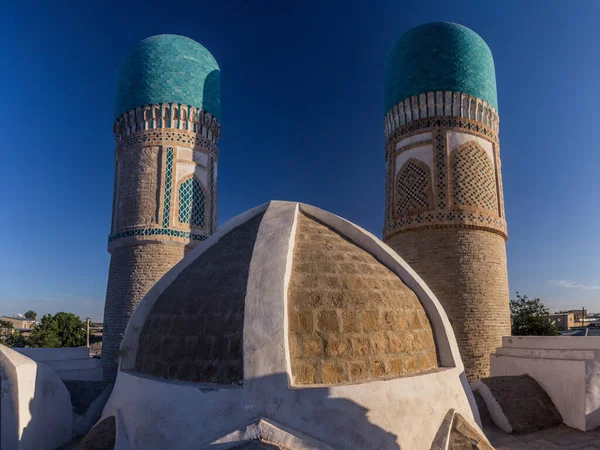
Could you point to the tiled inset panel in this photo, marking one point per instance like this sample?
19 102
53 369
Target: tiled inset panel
413 188
473 179
168 187
194 330
191 203
350 318
440 170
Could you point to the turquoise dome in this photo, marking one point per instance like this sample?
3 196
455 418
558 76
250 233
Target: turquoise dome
439 56
169 69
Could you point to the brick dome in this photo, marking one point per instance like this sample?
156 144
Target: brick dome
351 319
169 69
439 56
293 326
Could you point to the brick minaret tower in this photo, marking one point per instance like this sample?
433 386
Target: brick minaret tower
167 125
444 202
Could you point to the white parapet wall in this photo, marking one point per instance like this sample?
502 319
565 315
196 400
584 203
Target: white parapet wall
566 367
68 363
35 405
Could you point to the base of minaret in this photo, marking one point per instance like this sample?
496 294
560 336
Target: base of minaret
133 271
466 270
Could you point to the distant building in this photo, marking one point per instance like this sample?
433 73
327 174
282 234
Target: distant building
578 313
20 323
564 321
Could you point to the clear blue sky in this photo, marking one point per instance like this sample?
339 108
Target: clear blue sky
302 120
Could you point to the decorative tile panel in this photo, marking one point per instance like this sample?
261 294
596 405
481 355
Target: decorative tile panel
440 157
168 187
473 180
191 202
413 188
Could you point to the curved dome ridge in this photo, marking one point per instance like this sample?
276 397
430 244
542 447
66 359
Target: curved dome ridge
439 56
168 68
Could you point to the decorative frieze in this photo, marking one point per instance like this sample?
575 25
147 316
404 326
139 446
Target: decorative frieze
444 219
173 116
440 104
135 235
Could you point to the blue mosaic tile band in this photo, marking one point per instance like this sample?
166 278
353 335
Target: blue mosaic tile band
168 187
157 232
169 69
439 56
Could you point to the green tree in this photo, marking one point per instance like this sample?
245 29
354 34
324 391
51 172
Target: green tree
31 315
6 329
16 339
529 317
59 330
9 336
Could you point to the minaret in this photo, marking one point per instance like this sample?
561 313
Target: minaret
444 202
167 125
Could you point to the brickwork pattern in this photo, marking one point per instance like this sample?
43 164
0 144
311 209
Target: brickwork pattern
413 188
524 403
133 271
466 270
350 318
137 188
194 330
473 179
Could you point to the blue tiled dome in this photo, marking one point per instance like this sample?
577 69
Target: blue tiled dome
169 69
439 56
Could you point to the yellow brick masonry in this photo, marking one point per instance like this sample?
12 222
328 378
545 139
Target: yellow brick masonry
133 271
466 270
351 318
